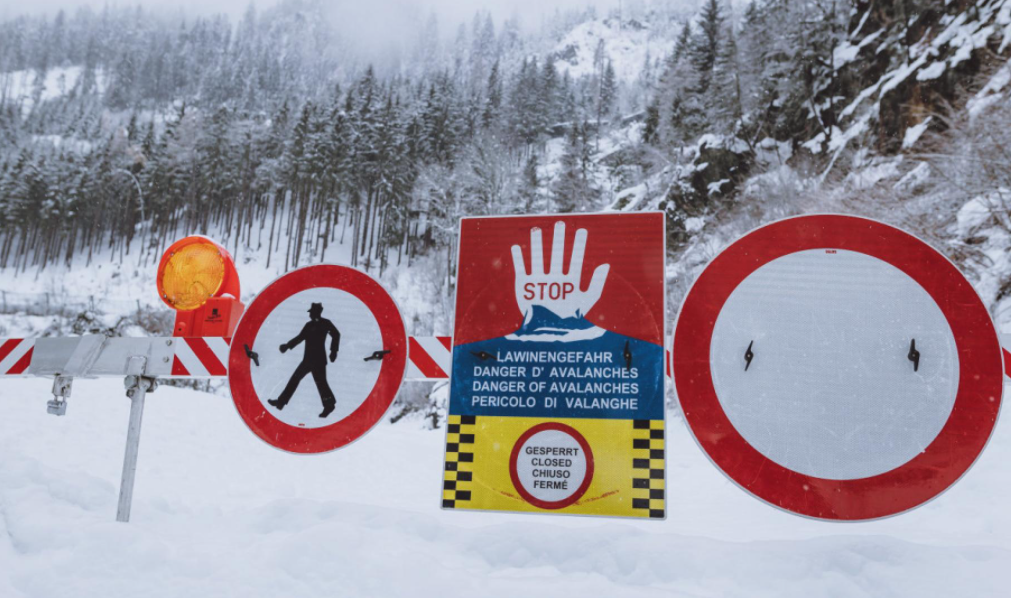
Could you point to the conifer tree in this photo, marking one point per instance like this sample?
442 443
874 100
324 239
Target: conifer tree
706 45
608 92
573 190
726 87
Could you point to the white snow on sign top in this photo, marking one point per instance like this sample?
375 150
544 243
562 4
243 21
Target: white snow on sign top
626 45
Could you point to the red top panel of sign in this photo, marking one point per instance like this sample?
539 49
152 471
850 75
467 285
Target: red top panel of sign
632 300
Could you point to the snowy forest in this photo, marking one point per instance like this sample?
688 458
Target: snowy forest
122 129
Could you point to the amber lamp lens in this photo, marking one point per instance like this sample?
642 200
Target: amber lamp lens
192 275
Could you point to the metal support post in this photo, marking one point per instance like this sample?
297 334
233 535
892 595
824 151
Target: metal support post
137 387
61 392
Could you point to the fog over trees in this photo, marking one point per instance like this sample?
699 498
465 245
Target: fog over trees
272 133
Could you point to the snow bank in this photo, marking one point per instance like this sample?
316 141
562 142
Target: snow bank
218 513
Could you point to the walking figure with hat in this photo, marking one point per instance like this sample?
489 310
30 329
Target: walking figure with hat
314 362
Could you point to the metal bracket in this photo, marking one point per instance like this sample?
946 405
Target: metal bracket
61 392
134 384
377 356
253 355
483 355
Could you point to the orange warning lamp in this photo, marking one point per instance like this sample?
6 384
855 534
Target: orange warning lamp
194 276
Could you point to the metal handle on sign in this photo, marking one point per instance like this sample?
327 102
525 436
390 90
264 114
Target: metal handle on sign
914 355
377 355
252 355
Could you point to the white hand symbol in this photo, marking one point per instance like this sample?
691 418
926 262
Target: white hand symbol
559 293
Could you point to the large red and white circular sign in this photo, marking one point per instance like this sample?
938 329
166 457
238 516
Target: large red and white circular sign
317 358
837 367
551 465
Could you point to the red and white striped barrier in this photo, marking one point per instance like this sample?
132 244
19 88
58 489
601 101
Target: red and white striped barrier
200 357
429 357
15 355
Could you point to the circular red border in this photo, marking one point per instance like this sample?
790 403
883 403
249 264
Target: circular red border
951 453
514 472
391 373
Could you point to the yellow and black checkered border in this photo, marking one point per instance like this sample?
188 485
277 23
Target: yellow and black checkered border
458 476
648 483
629 481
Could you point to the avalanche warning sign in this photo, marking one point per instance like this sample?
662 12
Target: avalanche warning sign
557 395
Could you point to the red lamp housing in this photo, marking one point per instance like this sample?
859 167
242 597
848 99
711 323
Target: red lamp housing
197 278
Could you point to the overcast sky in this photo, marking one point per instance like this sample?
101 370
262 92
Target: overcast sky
373 26
450 10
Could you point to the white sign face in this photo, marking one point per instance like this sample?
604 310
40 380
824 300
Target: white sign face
551 465
831 388
305 367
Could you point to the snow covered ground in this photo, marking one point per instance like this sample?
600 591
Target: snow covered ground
25 87
218 513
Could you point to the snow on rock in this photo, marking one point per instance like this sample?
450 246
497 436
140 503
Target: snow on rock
728 142
914 177
866 93
1004 19
973 215
715 187
991 93
983 223
694 224
914 133
935 70
867 176
628 200
901 74
967 41
773 152
956 39
626 43
847 52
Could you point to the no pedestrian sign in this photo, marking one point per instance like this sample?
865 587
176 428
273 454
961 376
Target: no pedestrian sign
557 397
317 358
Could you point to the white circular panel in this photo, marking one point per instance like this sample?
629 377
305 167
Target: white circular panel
350 377
831 391
551 465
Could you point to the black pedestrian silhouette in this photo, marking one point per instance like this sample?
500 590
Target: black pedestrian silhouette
314 334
